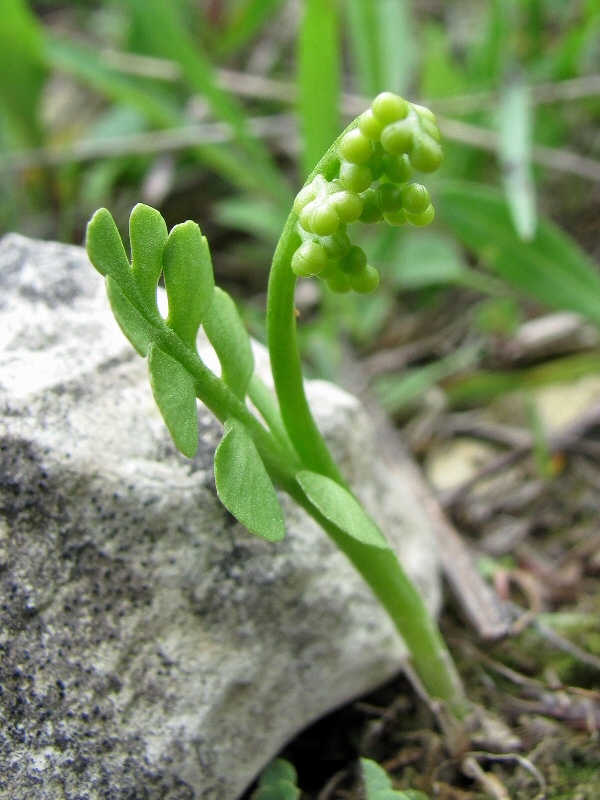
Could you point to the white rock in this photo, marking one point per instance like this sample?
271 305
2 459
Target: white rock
561 404
151 647
456 461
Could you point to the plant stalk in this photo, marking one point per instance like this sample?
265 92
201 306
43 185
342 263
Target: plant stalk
381 569
284 353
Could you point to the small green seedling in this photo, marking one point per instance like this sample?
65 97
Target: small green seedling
364 176
378 785
277 782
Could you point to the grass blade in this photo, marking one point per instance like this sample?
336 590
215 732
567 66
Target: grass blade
397 392
261 218
163 33
22 73
481 387
441 74
551 268
85 64
488 58
383 44
244 23
364 40
432 260
515 123
542 454
397 48
318 79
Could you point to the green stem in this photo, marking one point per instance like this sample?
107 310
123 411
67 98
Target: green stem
266 404
285 360
380 568
386 577
283 342
218 397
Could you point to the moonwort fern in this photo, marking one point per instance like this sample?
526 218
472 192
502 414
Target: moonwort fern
364 177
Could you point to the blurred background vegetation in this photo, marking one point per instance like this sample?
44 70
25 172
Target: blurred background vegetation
215 110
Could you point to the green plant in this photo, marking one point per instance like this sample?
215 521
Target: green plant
277 782
363 176
378 785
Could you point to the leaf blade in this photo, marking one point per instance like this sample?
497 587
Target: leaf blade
341 508
244 486
189 280
105 247
378 785
174 391
375 778
136 329
227 334
148 236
